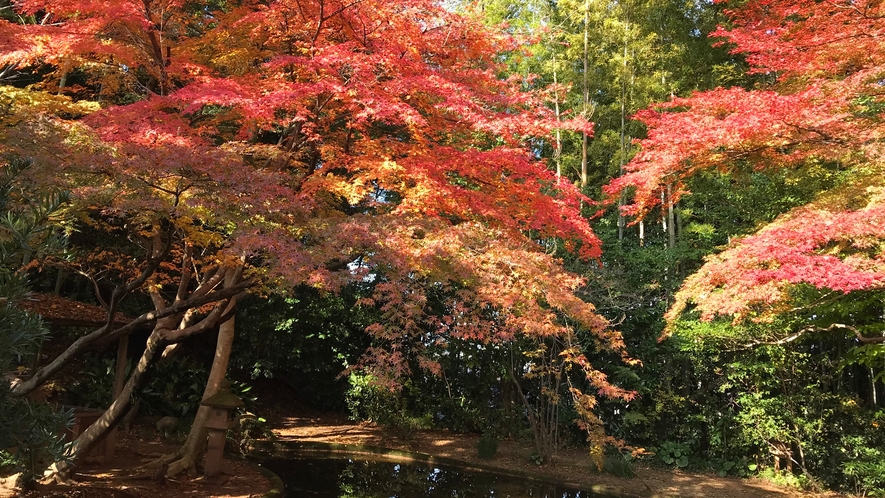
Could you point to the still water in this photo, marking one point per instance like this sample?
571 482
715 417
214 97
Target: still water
356 478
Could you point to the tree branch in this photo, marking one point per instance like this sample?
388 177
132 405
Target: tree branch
157 255
814 328
207 322
102 334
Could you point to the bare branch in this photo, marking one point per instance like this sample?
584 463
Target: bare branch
814 328
186 273
104 335
203 325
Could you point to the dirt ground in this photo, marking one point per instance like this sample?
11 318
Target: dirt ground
123 478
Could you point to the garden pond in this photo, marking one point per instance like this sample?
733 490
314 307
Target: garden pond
343 476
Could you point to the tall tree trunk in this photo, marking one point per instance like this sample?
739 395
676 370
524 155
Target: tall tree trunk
622 199
192 450
679 270
557 149
586 90
663 207
671 219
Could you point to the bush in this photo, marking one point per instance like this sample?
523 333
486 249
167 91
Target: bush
487 446
618 464
865 467
672 453
30 433
31 436
367 401
175 388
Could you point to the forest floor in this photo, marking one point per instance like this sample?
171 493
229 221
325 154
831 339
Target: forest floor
123 477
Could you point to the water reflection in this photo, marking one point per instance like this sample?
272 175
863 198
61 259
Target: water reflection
355 478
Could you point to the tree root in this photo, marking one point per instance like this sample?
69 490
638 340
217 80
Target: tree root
186 463
173 464
58 473
160 462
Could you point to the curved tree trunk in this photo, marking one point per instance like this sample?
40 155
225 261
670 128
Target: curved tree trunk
192 450
90 437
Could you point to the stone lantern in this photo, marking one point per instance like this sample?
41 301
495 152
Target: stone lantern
221 405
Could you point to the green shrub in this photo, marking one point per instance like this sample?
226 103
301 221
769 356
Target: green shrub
30 433
487 446
740 467
175 387
618 464
31 436
672 453
93 385
866 468
367 401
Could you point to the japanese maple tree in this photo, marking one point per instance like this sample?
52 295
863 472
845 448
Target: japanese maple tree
825 63
308 142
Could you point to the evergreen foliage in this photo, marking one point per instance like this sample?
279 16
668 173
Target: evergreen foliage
31 433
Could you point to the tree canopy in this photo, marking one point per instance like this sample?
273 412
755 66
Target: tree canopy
820 102
316 143
407 189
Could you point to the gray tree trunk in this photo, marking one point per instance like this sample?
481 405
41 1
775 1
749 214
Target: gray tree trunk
192 450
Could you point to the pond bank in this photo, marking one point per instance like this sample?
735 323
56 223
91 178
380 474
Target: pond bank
572 467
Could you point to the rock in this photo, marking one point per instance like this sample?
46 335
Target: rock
9 485
167 424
